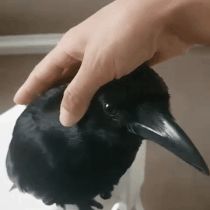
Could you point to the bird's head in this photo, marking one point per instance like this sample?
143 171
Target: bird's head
138 104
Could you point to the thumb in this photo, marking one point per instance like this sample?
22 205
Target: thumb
79 93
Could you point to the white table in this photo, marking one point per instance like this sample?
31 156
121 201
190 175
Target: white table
126 195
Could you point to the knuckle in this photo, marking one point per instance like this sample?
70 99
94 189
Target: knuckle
73 45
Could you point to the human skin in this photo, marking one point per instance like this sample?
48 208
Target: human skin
111 43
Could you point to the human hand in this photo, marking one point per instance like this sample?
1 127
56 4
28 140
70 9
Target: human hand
108 45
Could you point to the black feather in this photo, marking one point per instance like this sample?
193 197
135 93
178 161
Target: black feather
73 165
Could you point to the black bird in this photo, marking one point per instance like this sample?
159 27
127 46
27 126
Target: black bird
72 165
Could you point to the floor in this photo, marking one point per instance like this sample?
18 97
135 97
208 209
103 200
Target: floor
170 184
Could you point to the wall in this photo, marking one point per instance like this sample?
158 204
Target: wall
171 184
48 16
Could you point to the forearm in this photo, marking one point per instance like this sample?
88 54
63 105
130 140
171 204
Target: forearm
189 19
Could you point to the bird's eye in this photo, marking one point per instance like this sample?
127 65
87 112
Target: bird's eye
109 109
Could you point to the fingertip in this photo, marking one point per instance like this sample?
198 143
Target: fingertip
16 99
65 118
73 107
25 96
20 99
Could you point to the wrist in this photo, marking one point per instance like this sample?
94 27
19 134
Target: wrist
190 20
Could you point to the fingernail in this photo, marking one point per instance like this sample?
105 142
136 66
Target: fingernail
65 118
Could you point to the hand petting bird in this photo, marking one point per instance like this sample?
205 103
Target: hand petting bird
72 165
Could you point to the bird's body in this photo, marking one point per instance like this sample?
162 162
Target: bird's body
73 165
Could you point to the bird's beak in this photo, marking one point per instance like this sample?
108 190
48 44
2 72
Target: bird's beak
160 127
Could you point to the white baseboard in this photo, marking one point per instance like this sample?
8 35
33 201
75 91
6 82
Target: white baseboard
28 44
43 43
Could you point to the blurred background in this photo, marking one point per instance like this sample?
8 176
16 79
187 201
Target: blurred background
170 184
